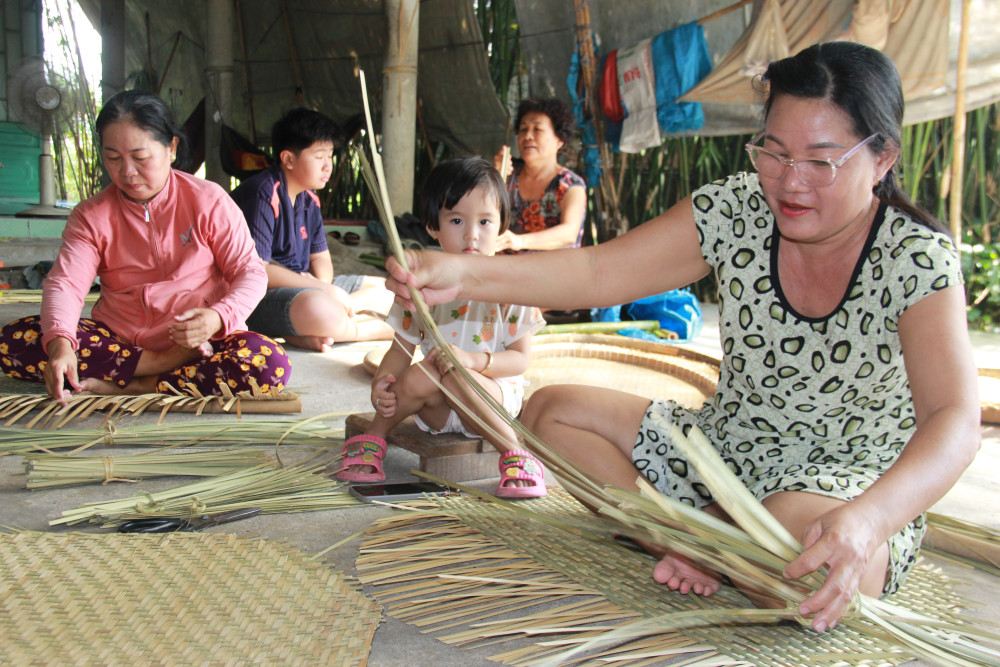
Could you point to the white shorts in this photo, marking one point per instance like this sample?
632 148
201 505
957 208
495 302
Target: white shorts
511 398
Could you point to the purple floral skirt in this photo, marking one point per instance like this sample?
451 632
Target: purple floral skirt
237 359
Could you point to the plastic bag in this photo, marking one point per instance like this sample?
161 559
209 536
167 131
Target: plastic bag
677 311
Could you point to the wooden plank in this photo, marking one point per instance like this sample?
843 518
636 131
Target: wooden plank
463 467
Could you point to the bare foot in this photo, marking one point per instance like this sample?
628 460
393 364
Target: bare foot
363 469
682 575
102 387
317 343
139 385
518 482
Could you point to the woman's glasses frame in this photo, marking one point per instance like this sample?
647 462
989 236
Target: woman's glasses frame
807 176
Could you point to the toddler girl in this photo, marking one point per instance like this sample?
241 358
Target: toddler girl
465 208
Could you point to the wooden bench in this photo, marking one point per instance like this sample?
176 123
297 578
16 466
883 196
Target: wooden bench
452 456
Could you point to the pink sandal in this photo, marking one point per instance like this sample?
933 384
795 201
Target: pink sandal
518 464
363 450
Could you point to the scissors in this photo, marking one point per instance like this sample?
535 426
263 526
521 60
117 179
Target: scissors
168 525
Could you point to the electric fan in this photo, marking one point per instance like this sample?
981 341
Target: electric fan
37 100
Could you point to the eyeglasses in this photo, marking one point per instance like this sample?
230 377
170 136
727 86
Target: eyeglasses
815 172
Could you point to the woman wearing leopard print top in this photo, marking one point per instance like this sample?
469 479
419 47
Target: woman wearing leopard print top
847 401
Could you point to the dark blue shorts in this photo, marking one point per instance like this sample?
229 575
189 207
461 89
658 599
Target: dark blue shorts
272 316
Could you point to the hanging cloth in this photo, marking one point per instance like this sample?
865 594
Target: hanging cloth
611 101
870 21
680 60
636 83
768 40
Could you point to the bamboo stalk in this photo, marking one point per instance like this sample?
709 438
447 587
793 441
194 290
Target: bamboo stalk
598 327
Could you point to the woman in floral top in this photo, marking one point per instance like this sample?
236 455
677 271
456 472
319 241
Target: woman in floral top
548 201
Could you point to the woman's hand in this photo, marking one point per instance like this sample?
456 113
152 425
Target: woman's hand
193 328
845 540
510 241
383 399
503 163
434 274
61 367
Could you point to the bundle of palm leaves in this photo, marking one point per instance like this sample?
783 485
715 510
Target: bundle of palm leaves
45 471
308 432
293 489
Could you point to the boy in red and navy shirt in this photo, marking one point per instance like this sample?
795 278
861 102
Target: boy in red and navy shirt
305 304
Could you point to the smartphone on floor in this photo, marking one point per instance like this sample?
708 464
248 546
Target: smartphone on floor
396 491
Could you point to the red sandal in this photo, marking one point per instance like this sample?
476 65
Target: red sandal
362 450
518 464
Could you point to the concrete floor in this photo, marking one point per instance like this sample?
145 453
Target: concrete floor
336 382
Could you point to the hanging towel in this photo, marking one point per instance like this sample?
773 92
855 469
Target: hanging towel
680 61
636 84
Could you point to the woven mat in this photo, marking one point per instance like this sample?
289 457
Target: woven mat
175 599
569 581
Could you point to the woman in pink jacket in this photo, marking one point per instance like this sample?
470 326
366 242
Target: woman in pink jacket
178 275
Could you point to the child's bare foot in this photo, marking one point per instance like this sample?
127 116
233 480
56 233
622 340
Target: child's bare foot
682 575
317 343
358 469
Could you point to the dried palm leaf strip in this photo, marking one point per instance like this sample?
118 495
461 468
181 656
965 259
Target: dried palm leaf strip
969 543
176 599
421 566
45 471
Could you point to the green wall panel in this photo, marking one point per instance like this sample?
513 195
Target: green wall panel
19 153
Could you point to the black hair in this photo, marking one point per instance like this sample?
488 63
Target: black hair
863 83
148 112
452 179
563 120
299 129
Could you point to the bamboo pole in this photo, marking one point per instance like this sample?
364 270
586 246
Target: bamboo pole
608 199
725 10
958 132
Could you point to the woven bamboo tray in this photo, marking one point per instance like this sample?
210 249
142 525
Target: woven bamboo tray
474 573
617 362
175 599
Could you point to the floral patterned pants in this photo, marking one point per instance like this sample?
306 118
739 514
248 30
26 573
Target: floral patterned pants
237 359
